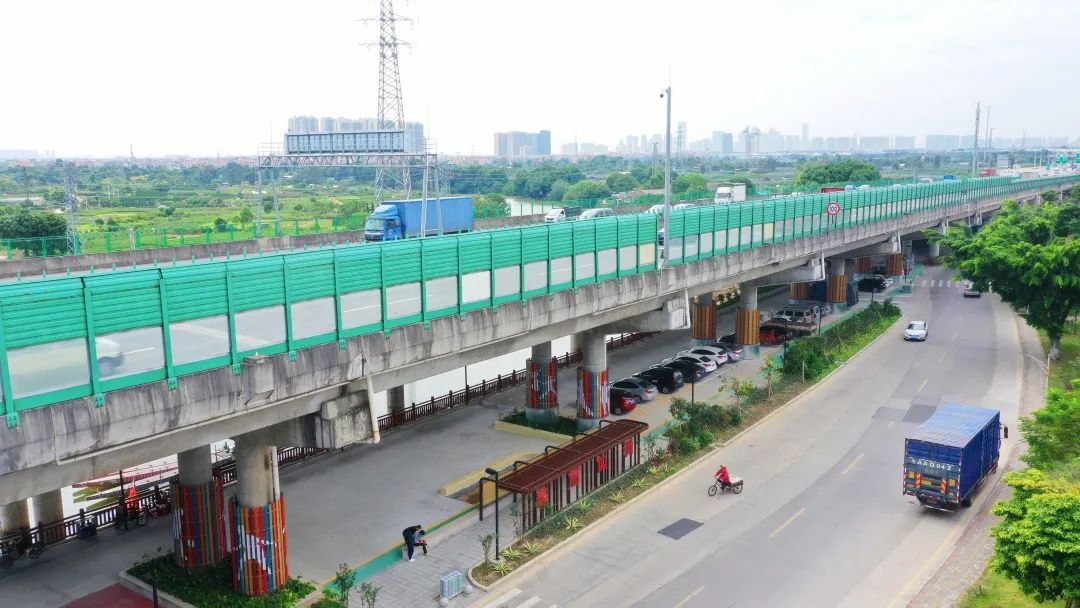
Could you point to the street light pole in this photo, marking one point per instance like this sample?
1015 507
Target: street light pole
493 472
667 179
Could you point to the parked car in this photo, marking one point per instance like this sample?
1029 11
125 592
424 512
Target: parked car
641 389
666 379
970 291
887 279
681 206
562 215
656 210
592 214
773 335
916 330
733 351
689 369
703 360
874 284
716 353
620 401
801 315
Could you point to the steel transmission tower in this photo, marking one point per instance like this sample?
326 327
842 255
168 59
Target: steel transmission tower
71 204
391 114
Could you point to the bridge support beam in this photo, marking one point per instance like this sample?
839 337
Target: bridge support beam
197 508
542 385
672 315
395 399
14 516
260 558
748 322
592 378
837 287
933 256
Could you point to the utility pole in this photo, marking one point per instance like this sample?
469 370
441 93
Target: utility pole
975 145
986 137
667 180
72 208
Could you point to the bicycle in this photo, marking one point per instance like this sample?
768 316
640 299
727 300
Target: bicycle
736 487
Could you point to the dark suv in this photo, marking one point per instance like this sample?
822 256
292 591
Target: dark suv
689 369
667 380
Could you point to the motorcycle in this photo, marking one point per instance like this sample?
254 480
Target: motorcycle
13 550
736 487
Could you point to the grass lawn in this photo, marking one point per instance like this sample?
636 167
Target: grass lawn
993 590
1070 352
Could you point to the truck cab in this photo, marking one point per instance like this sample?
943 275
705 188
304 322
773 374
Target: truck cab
383 224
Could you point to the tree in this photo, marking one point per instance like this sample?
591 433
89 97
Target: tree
245 216
220 225
586 190
22 223
813 174
1031 259
558 189
491 205
344 581
742 179
621 182
1052 431
689 182
1049 196
1037 543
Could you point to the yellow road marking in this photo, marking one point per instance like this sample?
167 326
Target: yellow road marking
852 465
921 386
689 597
786 523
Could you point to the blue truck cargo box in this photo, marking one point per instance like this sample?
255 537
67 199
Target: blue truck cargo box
393 220
950 455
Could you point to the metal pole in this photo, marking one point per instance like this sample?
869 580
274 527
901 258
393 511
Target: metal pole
667 181
277 205
493 472
975 145
258 202
424 201
438 200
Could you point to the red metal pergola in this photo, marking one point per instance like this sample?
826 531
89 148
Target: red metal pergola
566 473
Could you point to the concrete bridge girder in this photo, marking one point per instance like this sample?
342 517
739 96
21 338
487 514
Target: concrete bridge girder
674 314
812 270
73 441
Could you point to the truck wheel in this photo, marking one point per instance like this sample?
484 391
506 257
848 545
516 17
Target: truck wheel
966 502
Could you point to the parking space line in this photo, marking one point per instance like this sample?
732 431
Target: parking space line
922 386
532 601
853 463
787 523
954 337
891 423
941 358
689 597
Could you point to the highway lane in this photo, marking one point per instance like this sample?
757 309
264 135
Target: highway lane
822 521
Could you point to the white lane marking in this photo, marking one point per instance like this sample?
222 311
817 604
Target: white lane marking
787 523
506 597
941 358
532 601
891 423
954 337
137 350
852 465
923 385
689 597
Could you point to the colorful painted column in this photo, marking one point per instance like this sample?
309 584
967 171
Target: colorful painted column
837 286
797 292
542 385
592 379
703 319
748 322
197 511
260 563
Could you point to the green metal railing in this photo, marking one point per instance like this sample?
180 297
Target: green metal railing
64 338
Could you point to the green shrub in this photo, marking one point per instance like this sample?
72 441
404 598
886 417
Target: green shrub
705 438
212 587
688 445
734 416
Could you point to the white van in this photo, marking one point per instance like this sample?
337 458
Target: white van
592 214
561 215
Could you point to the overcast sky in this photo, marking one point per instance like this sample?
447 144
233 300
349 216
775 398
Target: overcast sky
219 77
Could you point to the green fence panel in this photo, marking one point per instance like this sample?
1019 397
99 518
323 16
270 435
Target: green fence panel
476 281
561 256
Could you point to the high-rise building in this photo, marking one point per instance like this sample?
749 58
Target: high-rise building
873 143
903 142
632 146
940 143
680 138
967 142
570 149
519 144
722 142
792 143
805 135
327 124
817 144
303 124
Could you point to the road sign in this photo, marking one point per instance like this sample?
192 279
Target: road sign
833 208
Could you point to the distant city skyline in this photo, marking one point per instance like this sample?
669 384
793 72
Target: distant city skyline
458 82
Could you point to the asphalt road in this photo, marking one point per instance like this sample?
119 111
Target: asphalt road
822 521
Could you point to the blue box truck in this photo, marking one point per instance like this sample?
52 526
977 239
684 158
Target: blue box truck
951 454
393 220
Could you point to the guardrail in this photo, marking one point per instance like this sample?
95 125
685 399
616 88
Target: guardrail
453 399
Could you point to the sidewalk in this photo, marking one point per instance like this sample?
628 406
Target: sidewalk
350 506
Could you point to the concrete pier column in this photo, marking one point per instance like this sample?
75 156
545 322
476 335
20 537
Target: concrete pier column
798 292
592 378
933 255
48 508
863 266
395 399
837 286
894 265
260 563
197 508
542 385
748 322
703 319
14 516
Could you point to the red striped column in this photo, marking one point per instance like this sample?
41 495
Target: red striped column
259 549
198 528
703 320
592 379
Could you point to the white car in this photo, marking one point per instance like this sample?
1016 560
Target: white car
592 214
656 210
916 330
716 357
681 206
704 361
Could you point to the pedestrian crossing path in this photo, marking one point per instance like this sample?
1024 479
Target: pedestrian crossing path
938 283
514 598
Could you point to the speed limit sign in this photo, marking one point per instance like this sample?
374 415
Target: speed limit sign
833 208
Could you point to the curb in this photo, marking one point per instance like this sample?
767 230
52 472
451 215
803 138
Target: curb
550 553
138 586
525 431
